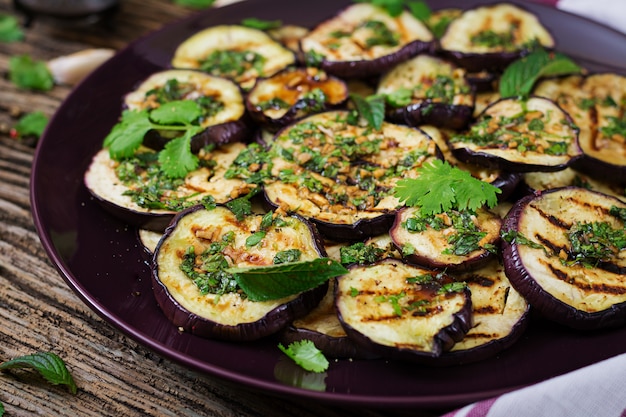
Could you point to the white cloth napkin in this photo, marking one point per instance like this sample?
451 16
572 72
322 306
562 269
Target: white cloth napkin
609 12
597 390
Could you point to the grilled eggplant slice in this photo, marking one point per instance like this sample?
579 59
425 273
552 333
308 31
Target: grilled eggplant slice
541 181
500 315
563 250
402 311
196 292
453 240
506 181
224 117
364 40
597 104
520 135
341 175
490 37
136 191
428 90
239 53
292 94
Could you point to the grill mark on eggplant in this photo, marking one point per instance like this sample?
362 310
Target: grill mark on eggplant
586 287
551 218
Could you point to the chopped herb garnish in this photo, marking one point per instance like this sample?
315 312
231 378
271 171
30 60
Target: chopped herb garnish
360 253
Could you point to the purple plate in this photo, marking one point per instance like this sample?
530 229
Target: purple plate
101 260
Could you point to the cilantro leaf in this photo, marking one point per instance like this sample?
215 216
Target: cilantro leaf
282 280
48 364
441 187
371 108
127 135
305 354
31 124
10 30
28 73
1 409
176 112
196 4
521 75
176 158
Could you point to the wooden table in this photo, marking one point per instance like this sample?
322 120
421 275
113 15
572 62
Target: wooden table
39 312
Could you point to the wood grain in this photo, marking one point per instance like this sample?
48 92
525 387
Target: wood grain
39 312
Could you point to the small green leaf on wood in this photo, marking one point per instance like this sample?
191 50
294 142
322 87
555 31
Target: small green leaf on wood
49 365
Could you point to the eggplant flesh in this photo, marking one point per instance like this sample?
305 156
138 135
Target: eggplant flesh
597 104
341 175
428 90
506 181
491 37
453 240
292 94
239 53
520 135
222 311
364 40
134 199
402 311
566 258
500 315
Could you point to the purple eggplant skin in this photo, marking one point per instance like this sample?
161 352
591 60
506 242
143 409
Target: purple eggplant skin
271 323
494 62
365 69
354 232
427 112
236 131
358 231
541 301
156 222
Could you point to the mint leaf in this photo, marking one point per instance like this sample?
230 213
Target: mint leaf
254 23
441 187
127 135
176 158
521 75
48 364
27 73
176 112
420 10
306 355
196 4
10 30
393 7
371 108
277 281
31 124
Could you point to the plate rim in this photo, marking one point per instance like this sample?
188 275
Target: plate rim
132 332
